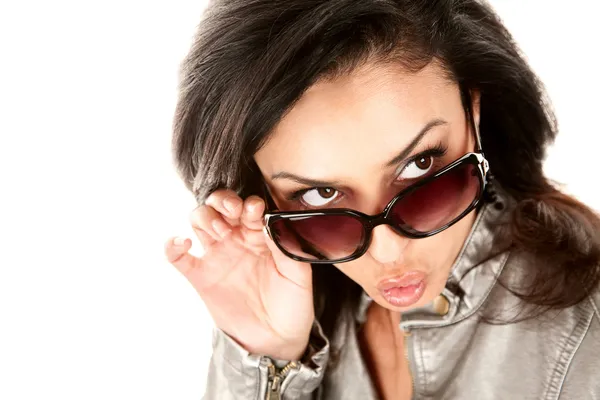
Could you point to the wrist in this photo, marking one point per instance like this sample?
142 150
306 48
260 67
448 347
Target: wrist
289 352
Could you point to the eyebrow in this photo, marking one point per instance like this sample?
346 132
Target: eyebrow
302 180
415 142
396 160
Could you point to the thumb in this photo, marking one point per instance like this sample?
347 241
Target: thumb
176 251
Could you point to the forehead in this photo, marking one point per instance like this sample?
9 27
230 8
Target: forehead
358 121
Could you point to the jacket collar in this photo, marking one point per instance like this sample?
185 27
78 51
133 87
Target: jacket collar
472 276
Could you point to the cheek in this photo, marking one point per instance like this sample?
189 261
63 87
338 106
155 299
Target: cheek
439 255
444 248
356 270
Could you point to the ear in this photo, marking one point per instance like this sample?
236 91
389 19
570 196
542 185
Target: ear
476 105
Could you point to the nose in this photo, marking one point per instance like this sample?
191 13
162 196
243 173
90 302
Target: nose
386 245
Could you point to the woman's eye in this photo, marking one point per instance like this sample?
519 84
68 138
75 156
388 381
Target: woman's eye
417 168
319 197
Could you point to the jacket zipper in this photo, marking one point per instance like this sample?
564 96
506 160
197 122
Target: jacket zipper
276 378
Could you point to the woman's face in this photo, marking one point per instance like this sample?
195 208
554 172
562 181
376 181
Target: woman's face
344 133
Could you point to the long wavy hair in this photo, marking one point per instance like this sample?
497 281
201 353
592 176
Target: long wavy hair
251 60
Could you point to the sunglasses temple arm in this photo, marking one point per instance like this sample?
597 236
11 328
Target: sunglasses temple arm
476 132
478 149
471 117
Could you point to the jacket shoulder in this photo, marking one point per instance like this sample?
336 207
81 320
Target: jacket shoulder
580 381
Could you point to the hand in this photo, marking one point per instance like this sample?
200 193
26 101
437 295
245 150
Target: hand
254 293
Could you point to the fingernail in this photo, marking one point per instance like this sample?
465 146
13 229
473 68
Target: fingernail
221 228
179 241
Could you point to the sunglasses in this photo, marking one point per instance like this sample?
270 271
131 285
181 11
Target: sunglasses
421 210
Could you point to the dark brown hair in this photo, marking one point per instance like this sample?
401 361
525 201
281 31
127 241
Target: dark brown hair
252 59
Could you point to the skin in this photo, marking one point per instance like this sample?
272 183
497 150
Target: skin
345 131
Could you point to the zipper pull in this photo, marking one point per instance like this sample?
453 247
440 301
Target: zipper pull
274 389
274 383
276 378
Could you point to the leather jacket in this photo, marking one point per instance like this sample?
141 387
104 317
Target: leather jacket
452 352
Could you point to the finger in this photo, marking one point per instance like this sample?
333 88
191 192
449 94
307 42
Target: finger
176 250
206 241
228 203
252 216
254 241
205 219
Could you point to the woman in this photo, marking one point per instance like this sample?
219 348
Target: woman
357 247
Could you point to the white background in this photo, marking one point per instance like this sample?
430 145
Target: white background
89 308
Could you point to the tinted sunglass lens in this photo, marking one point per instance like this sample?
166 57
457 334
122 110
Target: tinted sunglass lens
439 202
320 237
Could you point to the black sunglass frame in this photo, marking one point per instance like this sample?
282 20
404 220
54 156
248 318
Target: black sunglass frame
370 222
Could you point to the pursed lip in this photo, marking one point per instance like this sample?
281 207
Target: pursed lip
409 278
